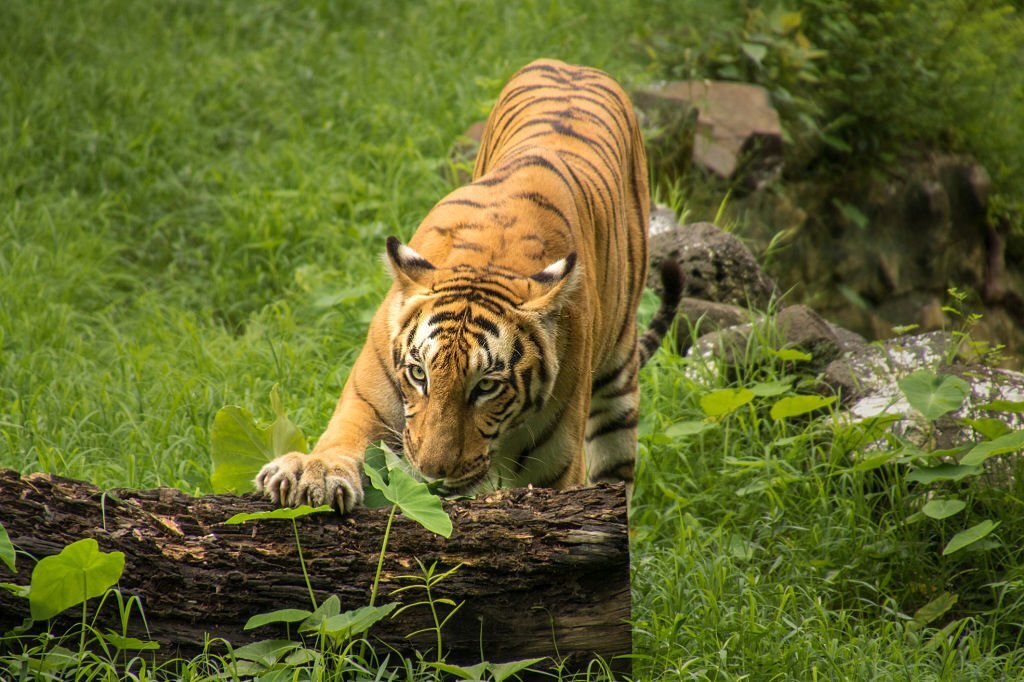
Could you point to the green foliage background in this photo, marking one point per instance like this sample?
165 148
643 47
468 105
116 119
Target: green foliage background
194 196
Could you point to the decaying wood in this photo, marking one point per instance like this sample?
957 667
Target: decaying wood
542 572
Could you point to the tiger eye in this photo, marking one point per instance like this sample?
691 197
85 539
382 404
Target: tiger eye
417 374
486 385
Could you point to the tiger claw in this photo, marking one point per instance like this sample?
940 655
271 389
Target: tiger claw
295 479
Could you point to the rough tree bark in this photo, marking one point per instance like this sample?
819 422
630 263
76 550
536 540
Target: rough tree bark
542 572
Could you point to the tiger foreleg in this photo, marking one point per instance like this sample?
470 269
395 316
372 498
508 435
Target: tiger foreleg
332 473
611 432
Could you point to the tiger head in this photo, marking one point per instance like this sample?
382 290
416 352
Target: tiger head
474 353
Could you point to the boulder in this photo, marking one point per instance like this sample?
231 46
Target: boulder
730 129
868 380
716 265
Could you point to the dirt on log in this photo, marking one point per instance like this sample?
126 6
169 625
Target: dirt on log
541 572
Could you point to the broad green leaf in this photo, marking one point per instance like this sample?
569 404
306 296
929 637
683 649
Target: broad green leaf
943 472
503 671
1011 442
941 509
789 21
688 428
968 537
378 477
328 607
356 622
796 405
932 395
266 652
933 610
755 51
791 355
122 643
770 389
414 498
724 401
470 672
418 503
279 616
80 572
17 590
375 459
240 448
282 513
285 436
300 657
56 660
1003 406
6 549
912 452
989 428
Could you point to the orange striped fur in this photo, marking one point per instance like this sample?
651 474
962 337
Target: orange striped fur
507 350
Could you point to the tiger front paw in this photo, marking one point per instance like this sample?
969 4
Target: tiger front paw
295 479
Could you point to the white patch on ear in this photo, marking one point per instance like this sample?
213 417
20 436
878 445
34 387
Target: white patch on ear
408 268
556 271
556 283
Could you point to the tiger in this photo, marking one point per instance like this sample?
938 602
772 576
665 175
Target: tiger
506 351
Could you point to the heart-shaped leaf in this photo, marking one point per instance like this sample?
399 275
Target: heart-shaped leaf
943 472
725 401
418 503
941 509
266 652
79 572
6 549
290 513
413 497
122 643
989 428
932 395
239 448
689 428
933 610
770 389
1003 406
279 616
968 537
791 355
797 405
1010 442
356 622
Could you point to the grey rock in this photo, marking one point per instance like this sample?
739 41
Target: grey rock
716 265
736 132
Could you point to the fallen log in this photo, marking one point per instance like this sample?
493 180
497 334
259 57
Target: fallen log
541 572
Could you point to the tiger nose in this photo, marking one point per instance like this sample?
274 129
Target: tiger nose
434 470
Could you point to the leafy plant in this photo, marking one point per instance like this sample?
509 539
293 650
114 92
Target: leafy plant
934 397
71 577
7 553
239 447
427 581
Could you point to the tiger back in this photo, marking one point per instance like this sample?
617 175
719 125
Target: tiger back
507 352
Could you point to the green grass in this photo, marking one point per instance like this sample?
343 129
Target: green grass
193 200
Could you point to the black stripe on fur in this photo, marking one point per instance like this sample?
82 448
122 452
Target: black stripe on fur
672 293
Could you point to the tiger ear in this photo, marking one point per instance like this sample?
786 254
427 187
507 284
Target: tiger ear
411 270
553 285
